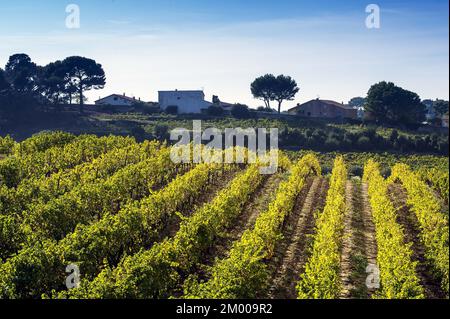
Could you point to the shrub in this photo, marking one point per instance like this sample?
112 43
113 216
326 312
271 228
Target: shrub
161 132
240 111
332 144
138 133
356 170
393 136
265 109
385 171
214 110
371 133
146 108
403 143
364 143
443 147
326 170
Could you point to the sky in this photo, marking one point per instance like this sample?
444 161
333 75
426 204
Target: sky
222 46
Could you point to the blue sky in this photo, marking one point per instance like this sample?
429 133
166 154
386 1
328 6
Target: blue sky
221 46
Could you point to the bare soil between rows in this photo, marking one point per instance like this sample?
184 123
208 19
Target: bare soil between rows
292 253
408 220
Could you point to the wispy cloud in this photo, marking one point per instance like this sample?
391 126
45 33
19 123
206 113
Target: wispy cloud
330 55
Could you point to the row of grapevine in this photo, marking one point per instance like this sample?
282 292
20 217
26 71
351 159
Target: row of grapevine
398 277
137 226
433 223
90 202
153 273
18 153
45 188
438 179
39 192
15 169
243 273
41 142
37 143
133 227
7 145
321 277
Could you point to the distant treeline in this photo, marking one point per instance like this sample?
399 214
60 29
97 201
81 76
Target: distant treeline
24 85
334 139
367 140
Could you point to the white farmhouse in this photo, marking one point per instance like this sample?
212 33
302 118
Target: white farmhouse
185 101
117 100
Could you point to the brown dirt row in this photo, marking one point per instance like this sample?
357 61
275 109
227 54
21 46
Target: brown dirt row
359 247
258 203
217 184
408 220
348 243
293 251
370 239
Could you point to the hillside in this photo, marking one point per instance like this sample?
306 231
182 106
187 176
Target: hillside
140 226
295 133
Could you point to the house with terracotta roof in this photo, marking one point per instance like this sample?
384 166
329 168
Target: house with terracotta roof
117 100
324 109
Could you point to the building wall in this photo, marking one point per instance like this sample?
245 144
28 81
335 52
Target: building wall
360 111
325 110
115 100
186 101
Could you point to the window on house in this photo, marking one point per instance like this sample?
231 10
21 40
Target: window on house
115 98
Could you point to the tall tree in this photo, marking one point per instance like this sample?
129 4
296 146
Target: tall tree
428 103
357 102
22 73
440 107
388 103
84 74
4 85
71 91
285 90
263 88
53 84
14 105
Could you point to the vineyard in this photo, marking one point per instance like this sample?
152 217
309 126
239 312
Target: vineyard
137 225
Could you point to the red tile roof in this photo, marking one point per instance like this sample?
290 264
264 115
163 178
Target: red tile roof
329 102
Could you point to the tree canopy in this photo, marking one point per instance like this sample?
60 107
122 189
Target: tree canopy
388 103
440 107
285 90
4 85
84 74
53 84
56 83
240 111
22 73
263 88
270 88
357 102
